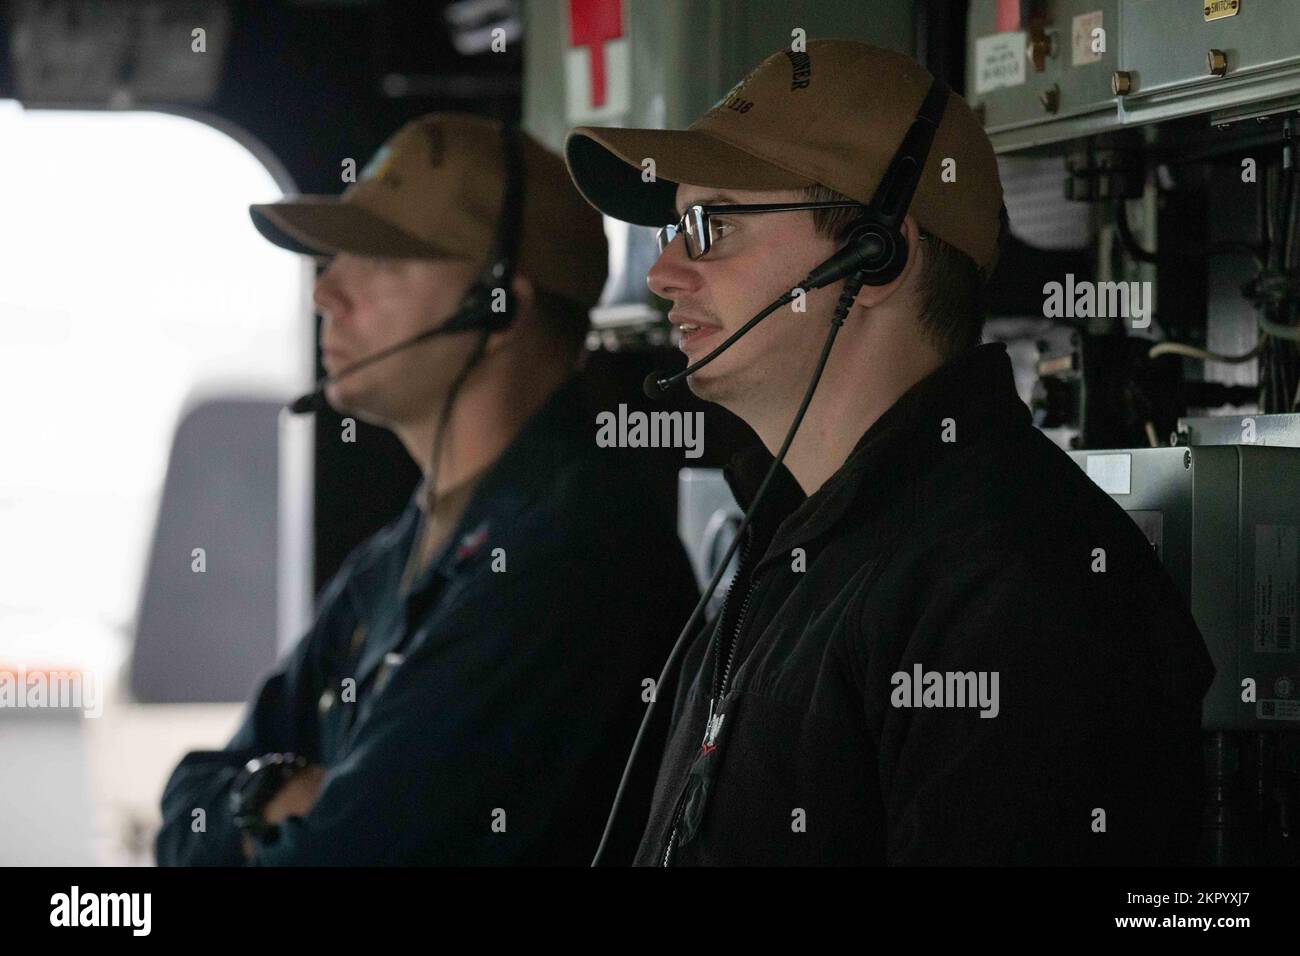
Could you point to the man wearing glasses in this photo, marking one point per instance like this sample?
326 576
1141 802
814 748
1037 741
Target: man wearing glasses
922 660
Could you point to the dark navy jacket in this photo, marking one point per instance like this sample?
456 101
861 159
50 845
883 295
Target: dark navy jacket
513 697
964 556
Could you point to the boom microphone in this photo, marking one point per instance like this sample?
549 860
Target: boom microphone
658 382
847 261
474 317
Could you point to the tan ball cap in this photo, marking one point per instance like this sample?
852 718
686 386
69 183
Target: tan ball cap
833 115
434 190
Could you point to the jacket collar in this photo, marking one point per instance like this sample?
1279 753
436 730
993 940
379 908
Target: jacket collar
976 390
555 435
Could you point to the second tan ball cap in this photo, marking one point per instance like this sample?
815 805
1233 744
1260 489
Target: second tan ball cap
434 190
833 115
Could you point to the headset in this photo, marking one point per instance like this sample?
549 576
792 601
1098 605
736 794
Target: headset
476 312
874 253
875 247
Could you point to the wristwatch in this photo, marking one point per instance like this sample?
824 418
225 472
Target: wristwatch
259 781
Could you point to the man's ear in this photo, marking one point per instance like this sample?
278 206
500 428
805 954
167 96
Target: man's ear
870 296
523 297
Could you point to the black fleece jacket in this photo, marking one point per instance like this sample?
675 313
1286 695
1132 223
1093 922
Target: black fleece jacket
956 540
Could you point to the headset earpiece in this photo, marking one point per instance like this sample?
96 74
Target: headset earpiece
876 251
883 252
477 312
872 250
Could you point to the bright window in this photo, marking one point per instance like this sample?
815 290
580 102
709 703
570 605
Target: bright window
133 284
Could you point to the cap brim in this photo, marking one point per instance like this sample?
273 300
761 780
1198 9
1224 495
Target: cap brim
325 226
606 166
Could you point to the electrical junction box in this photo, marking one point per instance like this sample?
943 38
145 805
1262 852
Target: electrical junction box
1225 522
1048 71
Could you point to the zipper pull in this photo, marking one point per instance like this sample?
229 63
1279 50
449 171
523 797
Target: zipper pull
711 729
699 784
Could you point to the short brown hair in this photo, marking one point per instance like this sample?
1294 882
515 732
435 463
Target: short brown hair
952 285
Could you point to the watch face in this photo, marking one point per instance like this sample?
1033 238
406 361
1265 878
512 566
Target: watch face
249 794
255 785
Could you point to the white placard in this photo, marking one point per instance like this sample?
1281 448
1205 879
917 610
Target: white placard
1112 473
1081 28
999 61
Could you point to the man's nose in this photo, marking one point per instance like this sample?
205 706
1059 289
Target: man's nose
673 275
327 294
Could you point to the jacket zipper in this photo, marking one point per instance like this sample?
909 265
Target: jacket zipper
720 683
721 689
677 814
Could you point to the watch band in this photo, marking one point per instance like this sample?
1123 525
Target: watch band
252 789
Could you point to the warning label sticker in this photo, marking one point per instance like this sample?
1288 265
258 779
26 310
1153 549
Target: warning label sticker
1278 709
1276 588
999 61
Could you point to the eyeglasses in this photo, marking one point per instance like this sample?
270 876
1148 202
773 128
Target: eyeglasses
699 229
